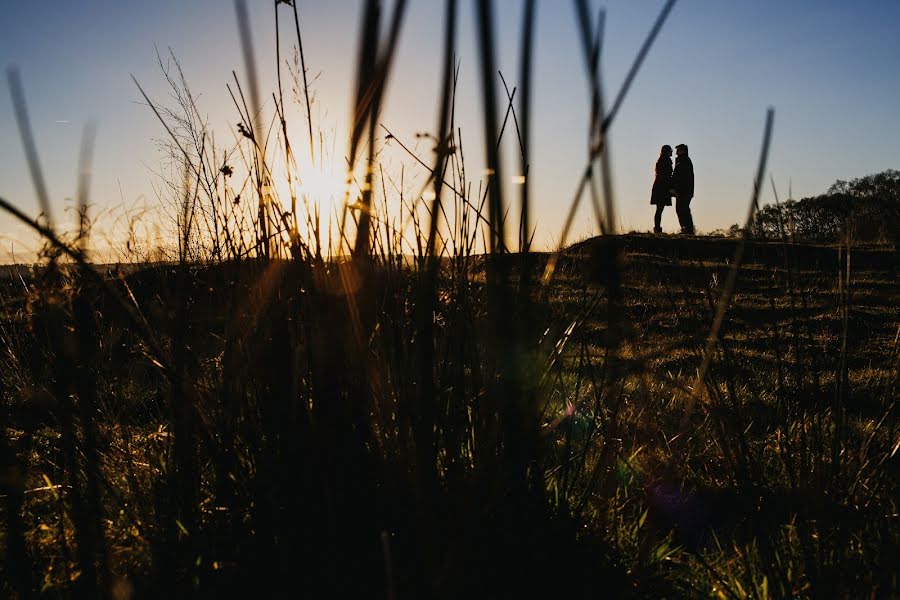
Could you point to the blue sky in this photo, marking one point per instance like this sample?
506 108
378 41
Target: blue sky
828 68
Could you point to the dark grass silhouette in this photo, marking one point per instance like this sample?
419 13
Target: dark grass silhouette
274 412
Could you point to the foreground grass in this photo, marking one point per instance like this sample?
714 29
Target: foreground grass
777 479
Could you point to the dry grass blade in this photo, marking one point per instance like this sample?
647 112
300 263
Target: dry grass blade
312 139
255 124
525 133
550 267
478 210
34 164
485 22
373 72
162 120
592 42
638 61
243 21
85 160
444 133
725 298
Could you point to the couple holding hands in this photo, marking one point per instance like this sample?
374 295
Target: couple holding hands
677 182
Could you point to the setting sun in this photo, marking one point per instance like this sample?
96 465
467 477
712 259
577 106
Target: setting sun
318 188
320 184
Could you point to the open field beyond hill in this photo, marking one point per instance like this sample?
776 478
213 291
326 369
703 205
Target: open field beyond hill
248 438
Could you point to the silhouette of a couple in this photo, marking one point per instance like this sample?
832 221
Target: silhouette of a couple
677 182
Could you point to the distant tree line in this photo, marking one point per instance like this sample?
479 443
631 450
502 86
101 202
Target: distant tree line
866 209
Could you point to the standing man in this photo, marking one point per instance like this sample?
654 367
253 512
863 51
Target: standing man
683 188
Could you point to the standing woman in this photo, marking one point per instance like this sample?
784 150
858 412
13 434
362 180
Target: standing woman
660 194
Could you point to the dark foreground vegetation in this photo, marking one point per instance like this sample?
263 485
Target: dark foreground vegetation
434 411
285 451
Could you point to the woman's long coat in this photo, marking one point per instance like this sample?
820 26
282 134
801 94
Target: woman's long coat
660 194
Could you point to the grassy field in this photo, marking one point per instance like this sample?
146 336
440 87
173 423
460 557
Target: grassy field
308 469
338 405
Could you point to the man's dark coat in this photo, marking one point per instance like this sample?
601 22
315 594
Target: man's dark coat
683 178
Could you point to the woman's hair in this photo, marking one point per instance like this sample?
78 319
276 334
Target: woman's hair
667 149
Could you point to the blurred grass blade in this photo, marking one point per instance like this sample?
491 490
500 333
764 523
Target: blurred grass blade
725 298
527 53
20 108
444 134
85 160
255 125
638 61
485 25
312 139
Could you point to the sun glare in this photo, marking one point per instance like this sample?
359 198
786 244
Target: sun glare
316 186
320 184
